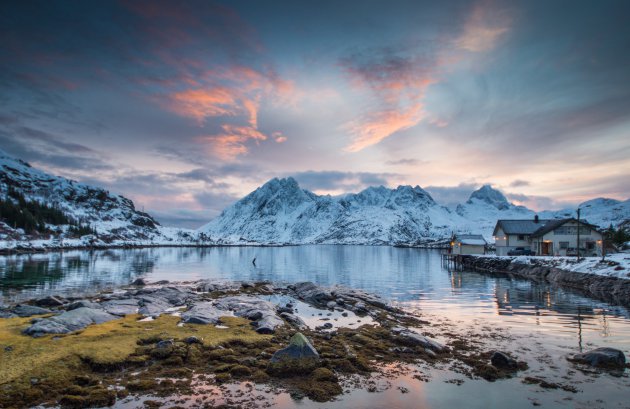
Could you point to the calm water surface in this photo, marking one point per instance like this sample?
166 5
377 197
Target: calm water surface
542 324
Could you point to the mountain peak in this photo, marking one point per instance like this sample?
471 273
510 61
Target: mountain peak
491 196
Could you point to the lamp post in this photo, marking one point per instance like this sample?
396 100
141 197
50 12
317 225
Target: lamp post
578 234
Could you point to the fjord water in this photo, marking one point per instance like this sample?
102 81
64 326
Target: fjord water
541 323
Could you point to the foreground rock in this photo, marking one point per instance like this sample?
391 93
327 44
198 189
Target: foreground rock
68 321
601 358
299 357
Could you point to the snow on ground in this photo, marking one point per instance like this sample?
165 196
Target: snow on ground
614 265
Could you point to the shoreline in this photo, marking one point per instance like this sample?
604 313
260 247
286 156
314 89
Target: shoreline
5 251
614 290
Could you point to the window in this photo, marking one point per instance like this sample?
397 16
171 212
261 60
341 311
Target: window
564 244
571 230
521 237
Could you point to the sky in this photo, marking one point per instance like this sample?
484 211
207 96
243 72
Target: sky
186 106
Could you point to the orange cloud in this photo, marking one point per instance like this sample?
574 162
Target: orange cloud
380 125
231 92
202 103
232 142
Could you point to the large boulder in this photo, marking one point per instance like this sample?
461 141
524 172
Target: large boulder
300 350
602 358
68 321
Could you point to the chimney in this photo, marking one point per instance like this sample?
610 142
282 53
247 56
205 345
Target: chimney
536 219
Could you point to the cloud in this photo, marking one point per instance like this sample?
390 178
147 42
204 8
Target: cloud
406 162
399 82
233 92
539 203
452 195
519 183
49 150
339 181
484 28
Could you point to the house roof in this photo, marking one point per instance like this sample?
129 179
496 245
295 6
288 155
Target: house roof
471 239
554 224
519 226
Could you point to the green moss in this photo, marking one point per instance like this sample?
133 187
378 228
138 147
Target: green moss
222 377
240 371
324 374
83 358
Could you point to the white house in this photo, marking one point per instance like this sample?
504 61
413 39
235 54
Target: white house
468 244
547 237
558 237
510 234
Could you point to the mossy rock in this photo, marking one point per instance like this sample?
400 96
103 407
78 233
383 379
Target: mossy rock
141 385
240 371
222 377
324 374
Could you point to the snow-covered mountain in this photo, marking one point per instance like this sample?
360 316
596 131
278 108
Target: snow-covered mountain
280 212
112 218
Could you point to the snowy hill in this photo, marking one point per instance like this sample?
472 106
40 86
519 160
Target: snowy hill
109 219
280 212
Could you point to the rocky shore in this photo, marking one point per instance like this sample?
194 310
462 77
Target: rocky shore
612 289
183 339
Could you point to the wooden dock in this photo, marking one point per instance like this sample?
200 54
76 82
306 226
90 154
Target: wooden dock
452 261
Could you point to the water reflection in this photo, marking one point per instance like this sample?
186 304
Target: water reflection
412 278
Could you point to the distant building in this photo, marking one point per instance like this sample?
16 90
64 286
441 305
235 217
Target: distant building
468 244
547 237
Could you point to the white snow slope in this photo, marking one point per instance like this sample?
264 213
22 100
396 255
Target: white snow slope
114 217
280 212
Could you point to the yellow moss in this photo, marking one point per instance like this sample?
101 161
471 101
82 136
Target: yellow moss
105 344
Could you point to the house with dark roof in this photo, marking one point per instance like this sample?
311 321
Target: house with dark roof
560 238
547 237
468 244
510 234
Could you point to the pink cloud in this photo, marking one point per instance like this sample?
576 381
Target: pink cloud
232 141
382 124
484 28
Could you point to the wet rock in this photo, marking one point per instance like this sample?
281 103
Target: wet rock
68 321
192 340
151 306
139 282
49 301
325 326
312 293
602 358
262 312
299 348
412 338
29 310
350 293
360 308
285 309
203 313
83 303
331 305
121 307
293 320
501 360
